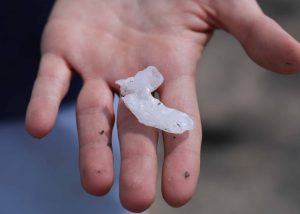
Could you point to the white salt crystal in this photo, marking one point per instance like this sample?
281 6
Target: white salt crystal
136 94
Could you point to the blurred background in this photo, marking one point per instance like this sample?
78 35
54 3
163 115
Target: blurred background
251 129
250 116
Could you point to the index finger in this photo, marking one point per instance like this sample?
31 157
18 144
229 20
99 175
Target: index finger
182 152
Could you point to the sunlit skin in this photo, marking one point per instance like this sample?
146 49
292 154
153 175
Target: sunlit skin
107 40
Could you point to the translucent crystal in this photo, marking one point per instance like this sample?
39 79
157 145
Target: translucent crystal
136 94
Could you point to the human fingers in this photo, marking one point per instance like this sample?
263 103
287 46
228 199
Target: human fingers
138 161
182 151
263 39
95 119
50 87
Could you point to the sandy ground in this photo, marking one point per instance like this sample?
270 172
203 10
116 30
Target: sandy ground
251 121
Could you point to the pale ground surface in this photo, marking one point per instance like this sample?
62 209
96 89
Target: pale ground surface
251 123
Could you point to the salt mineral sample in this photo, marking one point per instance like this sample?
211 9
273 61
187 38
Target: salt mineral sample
136 94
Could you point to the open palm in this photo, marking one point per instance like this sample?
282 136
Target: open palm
107 40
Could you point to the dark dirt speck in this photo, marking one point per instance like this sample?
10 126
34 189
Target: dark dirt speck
102 132
186 174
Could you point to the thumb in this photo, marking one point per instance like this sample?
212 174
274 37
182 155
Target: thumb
262 38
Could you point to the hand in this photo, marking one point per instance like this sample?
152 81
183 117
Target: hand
107 40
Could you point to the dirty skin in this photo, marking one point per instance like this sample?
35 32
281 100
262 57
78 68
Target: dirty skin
186 174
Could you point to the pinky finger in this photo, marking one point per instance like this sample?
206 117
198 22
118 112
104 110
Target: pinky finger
50 87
